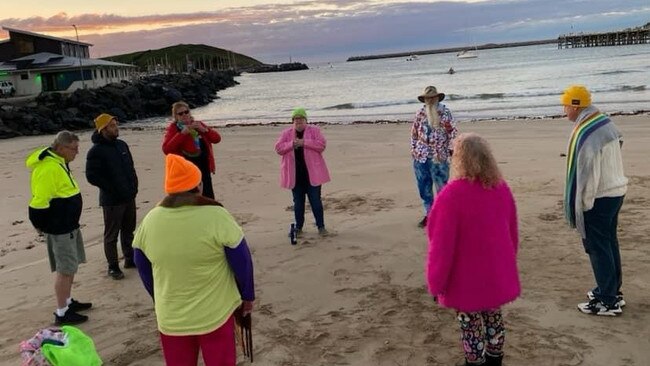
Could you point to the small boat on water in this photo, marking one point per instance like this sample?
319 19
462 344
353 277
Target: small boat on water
467 54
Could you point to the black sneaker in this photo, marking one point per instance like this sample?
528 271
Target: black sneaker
115 273
596 307
129 263
423 223
69 318
79 306
619 298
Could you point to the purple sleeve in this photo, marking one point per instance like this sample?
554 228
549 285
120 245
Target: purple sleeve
144 268
241 263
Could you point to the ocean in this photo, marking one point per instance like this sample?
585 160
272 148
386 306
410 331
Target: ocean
521 82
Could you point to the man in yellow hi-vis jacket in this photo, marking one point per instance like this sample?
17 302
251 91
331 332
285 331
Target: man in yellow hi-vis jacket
54 210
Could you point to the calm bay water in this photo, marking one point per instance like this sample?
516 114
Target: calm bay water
500 83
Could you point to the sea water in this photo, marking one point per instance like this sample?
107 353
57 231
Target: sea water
521 82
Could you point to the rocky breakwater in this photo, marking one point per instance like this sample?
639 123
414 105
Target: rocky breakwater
293 66
150 96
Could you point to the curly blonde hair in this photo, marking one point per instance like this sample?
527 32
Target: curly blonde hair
473 160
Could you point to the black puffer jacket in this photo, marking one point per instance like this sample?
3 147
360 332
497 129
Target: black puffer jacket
109 166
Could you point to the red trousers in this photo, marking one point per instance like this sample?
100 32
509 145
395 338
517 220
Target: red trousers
217 347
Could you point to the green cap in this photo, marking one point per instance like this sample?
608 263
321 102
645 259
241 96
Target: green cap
299 113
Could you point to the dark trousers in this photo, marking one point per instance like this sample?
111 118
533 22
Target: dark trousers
601 245
313 193
206 179
120 220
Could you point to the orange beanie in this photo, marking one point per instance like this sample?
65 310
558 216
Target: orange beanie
180 174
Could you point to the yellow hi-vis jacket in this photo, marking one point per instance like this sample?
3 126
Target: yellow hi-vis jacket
55 207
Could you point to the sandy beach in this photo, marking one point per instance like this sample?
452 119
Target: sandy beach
357 297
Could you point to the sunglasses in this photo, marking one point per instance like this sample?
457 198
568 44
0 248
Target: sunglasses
183 113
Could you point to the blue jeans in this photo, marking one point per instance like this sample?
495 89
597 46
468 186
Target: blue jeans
313 193
428 175
601 245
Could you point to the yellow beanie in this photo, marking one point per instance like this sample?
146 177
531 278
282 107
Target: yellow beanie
576 96
180 175
102 120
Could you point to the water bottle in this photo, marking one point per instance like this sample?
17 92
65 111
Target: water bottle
293 239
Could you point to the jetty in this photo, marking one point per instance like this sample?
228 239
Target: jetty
618 38
629 36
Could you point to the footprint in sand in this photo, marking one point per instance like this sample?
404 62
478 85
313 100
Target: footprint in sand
639 180
550 217
356 204
245 218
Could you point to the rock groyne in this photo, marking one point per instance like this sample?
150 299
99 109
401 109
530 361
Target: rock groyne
150 96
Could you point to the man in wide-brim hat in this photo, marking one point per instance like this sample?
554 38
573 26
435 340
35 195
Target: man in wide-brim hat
432 132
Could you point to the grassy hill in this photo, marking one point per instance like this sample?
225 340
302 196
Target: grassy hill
175 58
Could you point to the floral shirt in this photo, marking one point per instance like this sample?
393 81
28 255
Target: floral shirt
432 143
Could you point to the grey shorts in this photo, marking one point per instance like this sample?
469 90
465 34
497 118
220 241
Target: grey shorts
65 252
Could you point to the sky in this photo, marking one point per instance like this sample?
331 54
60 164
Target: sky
315 30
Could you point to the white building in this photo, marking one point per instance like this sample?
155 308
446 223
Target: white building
37 63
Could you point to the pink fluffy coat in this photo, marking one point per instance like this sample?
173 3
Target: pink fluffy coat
473 239
313 149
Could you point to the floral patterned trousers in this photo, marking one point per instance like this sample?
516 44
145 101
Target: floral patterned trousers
481 332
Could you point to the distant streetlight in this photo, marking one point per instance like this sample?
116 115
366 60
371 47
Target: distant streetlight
81 70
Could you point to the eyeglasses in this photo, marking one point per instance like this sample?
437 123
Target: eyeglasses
183 113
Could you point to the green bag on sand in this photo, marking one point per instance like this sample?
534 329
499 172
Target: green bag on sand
79 350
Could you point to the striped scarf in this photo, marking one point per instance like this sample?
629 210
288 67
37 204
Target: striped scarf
195 137
587 139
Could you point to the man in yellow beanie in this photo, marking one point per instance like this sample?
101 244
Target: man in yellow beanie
194 260
593 196
109 166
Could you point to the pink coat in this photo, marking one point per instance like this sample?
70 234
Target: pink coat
314 146
472 260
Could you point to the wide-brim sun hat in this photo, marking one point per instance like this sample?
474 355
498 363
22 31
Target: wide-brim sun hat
431 91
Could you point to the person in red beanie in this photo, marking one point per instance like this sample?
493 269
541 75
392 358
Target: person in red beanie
193 140
194 261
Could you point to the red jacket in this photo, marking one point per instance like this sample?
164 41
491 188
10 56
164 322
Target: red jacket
175 142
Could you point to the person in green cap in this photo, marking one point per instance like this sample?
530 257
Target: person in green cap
303 168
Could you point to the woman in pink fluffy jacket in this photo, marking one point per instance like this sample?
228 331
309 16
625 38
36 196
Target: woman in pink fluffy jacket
472 259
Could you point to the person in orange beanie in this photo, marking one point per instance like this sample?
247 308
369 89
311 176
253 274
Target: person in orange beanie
194 260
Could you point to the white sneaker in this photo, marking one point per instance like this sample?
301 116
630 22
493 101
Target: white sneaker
621 302
595 307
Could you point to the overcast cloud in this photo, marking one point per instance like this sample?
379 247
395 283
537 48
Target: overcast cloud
334 30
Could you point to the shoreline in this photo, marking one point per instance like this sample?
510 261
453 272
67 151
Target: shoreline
133 125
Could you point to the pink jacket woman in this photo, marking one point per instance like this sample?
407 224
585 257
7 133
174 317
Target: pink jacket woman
314 146
471 264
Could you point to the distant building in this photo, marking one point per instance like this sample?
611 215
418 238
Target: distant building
37 63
